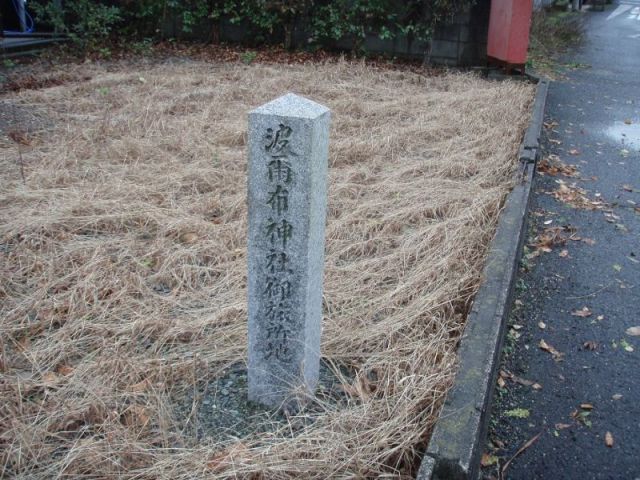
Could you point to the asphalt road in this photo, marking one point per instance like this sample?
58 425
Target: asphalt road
590 373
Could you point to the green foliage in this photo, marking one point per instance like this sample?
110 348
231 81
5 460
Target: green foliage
142 47
415 19
248 57
323 21
352 19
87 22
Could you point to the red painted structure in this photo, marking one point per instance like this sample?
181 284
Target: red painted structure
509 25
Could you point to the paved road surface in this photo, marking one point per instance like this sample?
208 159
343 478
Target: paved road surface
597 112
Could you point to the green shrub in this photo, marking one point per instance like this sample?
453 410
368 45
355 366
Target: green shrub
325 21
88 23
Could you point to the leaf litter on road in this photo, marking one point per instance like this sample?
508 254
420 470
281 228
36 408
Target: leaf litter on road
552 165
583 312
506 375
608 439
633 331
518 413
551 237
557 356
488 460
582 416
626 345
576 197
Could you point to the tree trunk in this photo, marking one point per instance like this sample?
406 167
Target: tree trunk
288 34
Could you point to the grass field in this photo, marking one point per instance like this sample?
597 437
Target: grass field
123 258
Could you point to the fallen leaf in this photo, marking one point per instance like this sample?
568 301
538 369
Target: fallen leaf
608 439
562 426
135 415
576 197
50 379
624 344
628 121
584 312
19 137
552 165
548 348
586 406
633 331
501 382
617 396
536 386
522 381
590 345
529 442
589 241
564 253
628 188
542 325
64 370
600 317
189 237
488 460
573 151
139 387
517 413
498 443
582 417
551 237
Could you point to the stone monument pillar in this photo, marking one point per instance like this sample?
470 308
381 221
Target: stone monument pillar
287 196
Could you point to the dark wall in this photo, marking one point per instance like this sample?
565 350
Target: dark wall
463 43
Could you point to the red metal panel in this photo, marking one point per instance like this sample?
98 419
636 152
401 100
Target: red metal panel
509 25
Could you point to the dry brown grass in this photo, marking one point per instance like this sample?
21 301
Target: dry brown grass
123 263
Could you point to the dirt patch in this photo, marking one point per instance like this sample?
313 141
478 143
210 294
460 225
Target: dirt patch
124 269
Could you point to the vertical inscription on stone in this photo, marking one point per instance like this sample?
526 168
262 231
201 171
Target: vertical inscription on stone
288 146
278 229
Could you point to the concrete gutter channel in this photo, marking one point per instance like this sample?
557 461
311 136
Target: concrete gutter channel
456 444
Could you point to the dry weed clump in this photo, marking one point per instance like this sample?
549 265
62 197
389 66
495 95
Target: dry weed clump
123 263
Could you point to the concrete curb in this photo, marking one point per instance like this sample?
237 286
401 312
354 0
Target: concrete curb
456 443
